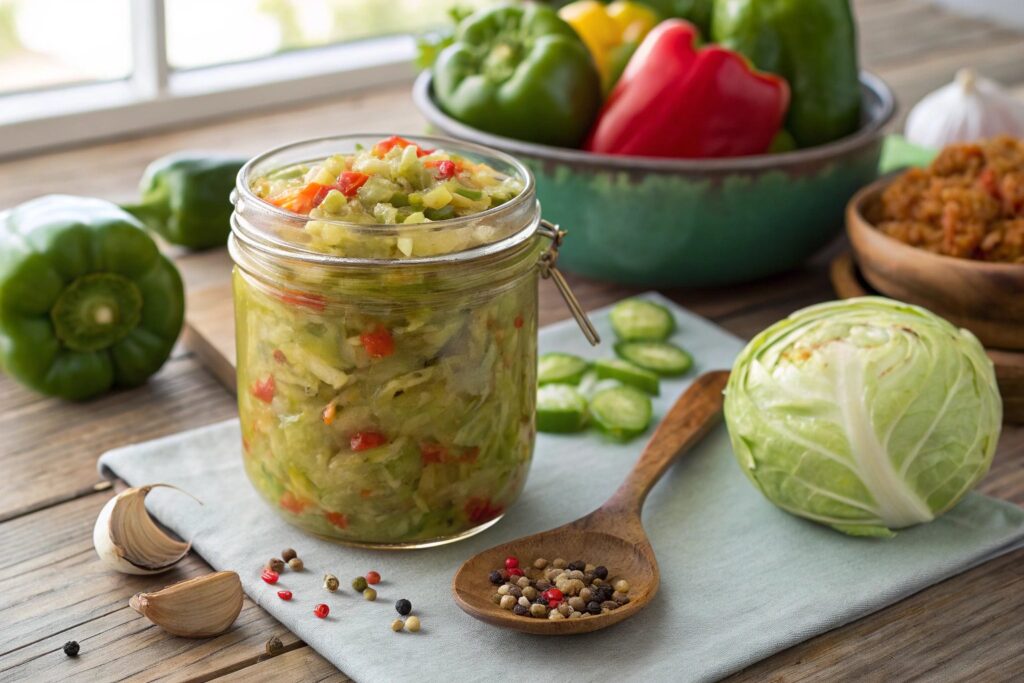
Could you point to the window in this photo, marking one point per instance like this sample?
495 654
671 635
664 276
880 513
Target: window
77 70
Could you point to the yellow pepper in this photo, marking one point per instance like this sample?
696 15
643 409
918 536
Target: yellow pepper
610 32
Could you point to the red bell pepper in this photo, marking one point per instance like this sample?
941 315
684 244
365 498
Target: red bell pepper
674 100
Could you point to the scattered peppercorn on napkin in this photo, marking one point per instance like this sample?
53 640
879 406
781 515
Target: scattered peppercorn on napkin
740 580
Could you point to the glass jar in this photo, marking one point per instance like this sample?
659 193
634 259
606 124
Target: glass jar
389 401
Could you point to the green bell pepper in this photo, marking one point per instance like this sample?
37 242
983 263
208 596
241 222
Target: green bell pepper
521 72
697 12
185 198
810 43
87 301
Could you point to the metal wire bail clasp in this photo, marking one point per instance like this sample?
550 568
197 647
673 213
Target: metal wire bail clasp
548 269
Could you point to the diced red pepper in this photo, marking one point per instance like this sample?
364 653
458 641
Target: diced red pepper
431 453
518 322
362 441
279 356
386 145
337 519
446 168
480 510
378 343
306 199
292 503
264 389
314 302
365 493
349 182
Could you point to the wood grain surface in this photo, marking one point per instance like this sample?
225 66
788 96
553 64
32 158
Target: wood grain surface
52 586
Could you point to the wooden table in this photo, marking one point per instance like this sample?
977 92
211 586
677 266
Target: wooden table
53 588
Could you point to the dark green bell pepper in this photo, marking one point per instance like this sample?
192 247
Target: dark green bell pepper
810 43
522 72
697 12
87 302
185 198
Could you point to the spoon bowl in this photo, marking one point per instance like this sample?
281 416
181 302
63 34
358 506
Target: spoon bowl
612 535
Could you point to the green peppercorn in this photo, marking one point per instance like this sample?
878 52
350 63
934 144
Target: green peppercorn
359 584
370 594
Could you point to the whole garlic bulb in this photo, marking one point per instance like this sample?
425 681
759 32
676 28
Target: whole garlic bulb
968 109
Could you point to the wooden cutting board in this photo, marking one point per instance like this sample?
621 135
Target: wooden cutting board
848 283
210 330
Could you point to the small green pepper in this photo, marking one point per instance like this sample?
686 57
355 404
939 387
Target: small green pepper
87 301
185 198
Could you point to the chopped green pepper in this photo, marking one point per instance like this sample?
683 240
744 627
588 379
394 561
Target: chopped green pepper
810 43
185 198
521 72
87 301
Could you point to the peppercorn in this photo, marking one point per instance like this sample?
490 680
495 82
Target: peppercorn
71 648
296 564
331 582
601 572
564 609
397 625
520 610
511 562
496 578
270 576
412 624
609 604
577 565
530 593
288 554
577 603
273 647
542 585
538 611
515 591
555 615
558 563
620 598
496 598
372 578
505 589
522 582
359 584
540 563
284 595
588 568
275 565
594 607
369 594
403 606
524 601
507 602
321 611
586 595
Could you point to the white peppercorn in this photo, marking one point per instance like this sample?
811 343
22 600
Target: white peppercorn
412 624
507 602
622 586
538 610
540 563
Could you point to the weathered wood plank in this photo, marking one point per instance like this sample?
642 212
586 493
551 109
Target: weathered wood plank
50 446
965 629
300 665
53 589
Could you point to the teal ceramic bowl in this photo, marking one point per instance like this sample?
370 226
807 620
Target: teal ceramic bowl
657 222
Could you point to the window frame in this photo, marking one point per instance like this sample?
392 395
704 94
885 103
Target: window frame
156 96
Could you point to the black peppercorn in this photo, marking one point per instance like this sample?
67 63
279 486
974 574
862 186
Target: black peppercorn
578 565
594 607
603 593
71 648
496 578
515 591
403 607
601 572
521 611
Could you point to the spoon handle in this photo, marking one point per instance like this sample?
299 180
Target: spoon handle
686 423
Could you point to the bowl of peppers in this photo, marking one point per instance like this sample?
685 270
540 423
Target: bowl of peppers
698 143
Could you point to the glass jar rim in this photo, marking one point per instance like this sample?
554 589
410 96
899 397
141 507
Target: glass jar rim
263 241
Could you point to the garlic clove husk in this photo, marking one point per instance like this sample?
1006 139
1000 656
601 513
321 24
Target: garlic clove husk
128 540
970 108
195 608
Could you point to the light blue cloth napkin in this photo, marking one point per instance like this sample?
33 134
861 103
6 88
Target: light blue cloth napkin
741 580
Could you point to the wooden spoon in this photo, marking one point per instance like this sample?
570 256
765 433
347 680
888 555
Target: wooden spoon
611 535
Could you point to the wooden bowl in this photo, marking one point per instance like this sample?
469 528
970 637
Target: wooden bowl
986 298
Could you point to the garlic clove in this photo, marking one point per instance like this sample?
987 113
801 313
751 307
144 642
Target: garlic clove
196 608
127 539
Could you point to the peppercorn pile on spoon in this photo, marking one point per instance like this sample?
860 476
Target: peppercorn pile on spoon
611 535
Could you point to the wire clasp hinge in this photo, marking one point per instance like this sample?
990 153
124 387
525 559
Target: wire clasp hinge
549 271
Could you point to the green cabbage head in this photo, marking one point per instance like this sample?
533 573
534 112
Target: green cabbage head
867 415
